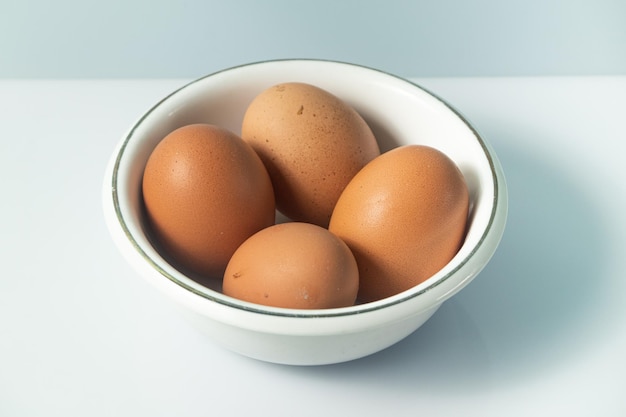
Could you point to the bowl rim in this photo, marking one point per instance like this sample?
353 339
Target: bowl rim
224 300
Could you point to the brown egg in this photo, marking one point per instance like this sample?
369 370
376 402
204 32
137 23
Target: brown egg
404 218
205 192
293 265
312 144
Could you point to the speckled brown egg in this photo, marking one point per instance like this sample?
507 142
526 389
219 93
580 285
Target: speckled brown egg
205 192
312 144
293 265
404 218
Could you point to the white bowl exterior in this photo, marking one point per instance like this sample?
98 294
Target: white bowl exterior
303 349
399 113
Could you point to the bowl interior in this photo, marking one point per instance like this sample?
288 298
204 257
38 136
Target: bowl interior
399 112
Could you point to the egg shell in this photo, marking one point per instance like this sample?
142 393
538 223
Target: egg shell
293 265
205 191
404 217
312 144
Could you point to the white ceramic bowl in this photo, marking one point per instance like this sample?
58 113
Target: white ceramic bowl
399 112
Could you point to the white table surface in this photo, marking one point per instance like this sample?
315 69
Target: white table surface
542 331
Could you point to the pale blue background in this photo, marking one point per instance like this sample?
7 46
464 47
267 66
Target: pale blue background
189 38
